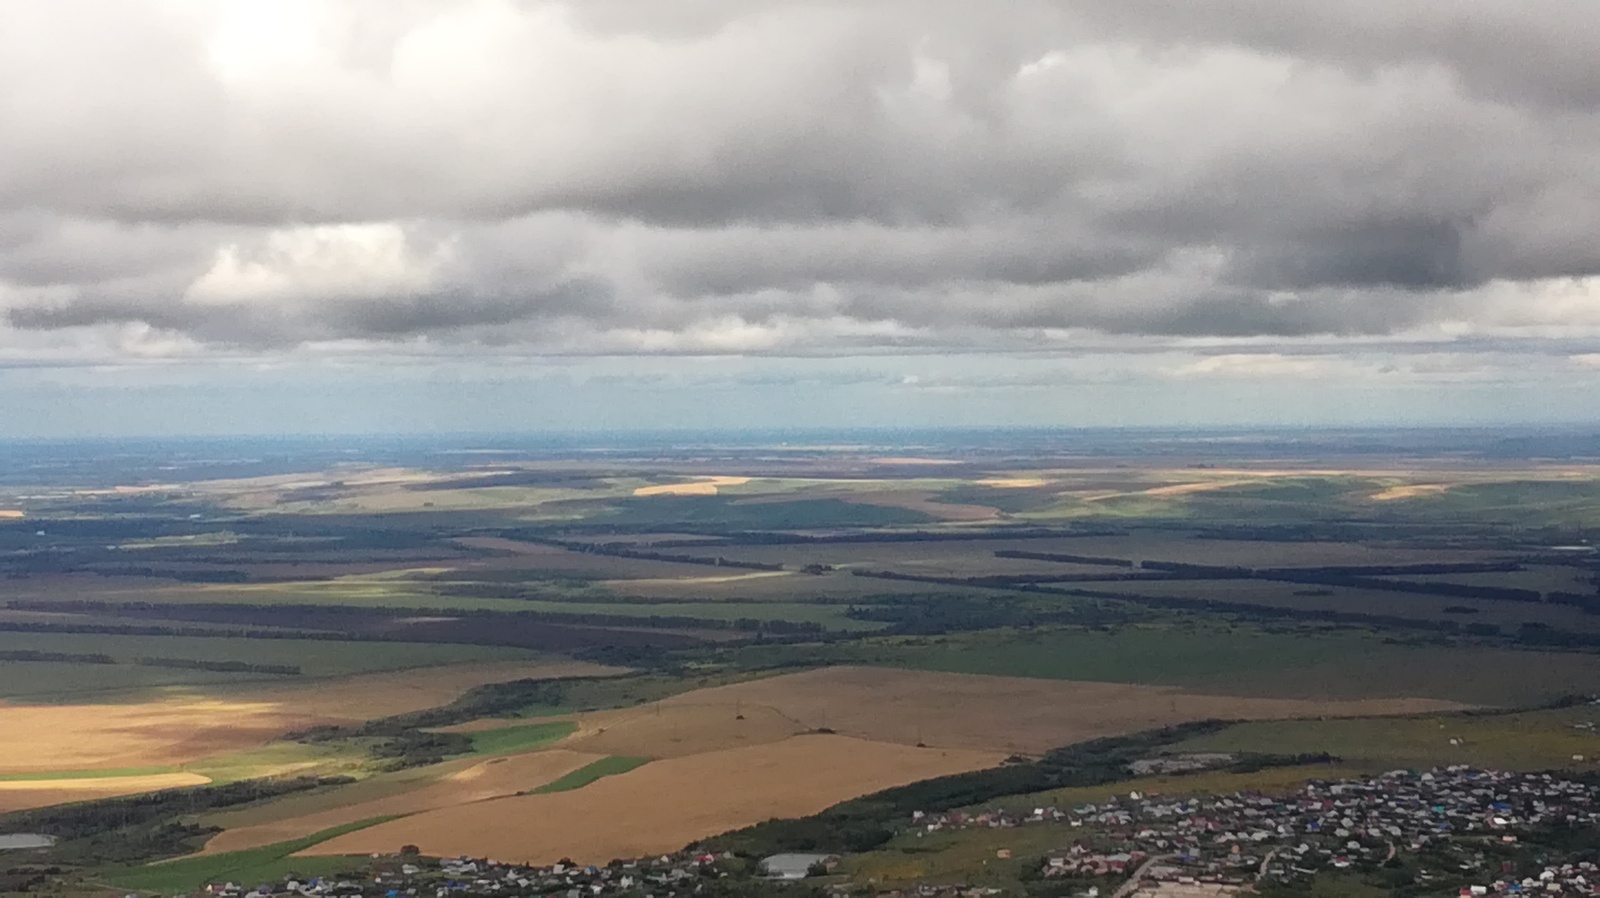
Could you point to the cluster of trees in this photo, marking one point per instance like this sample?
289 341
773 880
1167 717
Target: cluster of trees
137 828
292 670
934 614
182 575
403 740
1023 582
1588 602
66 657
144 629
398 741
180 663
629 550
372 625
931 618
1065 558
1371 576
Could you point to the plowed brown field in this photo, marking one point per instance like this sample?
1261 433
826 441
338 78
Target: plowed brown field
666 804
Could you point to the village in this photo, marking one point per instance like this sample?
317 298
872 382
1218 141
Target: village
1458 823
410 876
1462 830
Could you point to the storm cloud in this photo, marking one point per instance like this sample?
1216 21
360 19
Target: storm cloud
633 177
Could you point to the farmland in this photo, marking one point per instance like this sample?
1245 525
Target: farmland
1014 714
436 648
1537 740
193 725
297 818
688 797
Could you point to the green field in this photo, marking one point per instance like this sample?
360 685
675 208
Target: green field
972 854
600 769
1535 740
1310 661
512 739
1176 654
395 593
1214 782
967 857
600 693
285 757
315 657
53 681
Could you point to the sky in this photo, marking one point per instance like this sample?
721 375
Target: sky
354 216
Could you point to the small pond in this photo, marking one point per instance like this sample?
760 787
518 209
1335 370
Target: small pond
25 840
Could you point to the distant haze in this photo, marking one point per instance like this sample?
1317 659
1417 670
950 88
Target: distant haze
361 216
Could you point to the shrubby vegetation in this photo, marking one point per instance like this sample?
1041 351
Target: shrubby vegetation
292 670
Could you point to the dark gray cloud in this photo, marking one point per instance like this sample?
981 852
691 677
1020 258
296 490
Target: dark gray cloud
720 176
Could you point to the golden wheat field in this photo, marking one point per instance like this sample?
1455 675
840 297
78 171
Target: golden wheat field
19 795
666 804
494 778
184 727
986 713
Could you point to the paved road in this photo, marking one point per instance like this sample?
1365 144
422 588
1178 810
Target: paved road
1262 870
1133 881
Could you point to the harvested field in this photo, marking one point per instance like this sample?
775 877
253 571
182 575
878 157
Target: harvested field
494 778
664 805
1410 491
703 487
184 728
968 711
19 795
157 733
1186 489
719 578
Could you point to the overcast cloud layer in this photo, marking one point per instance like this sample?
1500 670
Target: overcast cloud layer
378 179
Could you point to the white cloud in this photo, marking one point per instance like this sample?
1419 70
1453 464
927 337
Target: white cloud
1202 194
320 262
